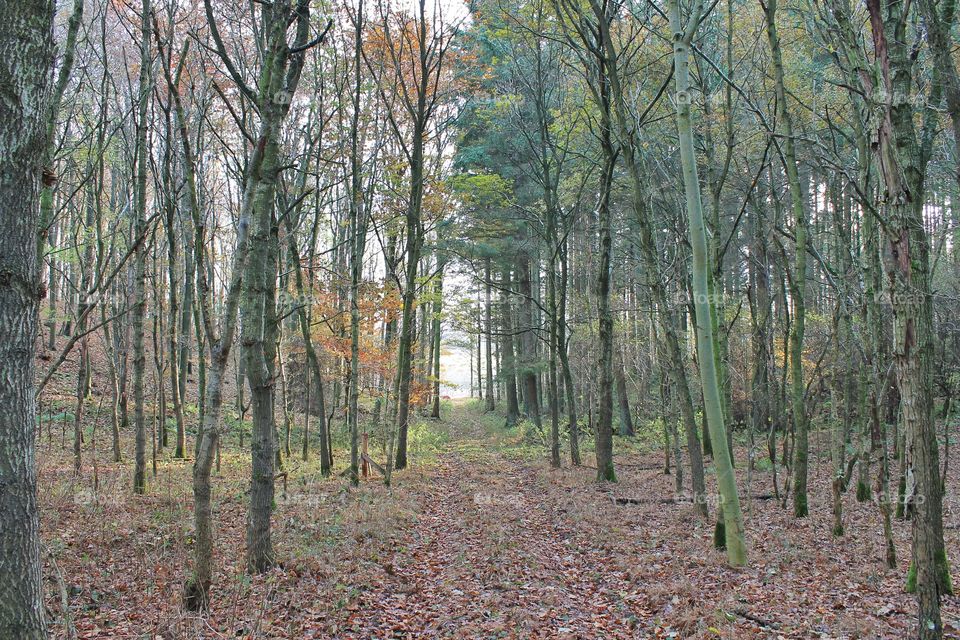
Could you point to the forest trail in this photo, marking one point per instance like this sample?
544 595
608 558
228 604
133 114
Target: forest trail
479 538
284 230
487 558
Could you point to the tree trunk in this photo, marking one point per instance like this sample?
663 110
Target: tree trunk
798 282
358 241
175 363
604 427
437 326
408 316
259 330
902 169
553 396
26 45
140 257
509 352
281 71
526 329
489 403
313 360
713 405
651 264
626 419
571 402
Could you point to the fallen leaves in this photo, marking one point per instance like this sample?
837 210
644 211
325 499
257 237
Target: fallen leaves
478 545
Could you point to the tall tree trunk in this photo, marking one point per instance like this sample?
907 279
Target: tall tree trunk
175 364
86 278
185 330
509 352
259 328
526 329
571 401
313 361
52 287
651 264
713 405
798 282
553 395
140 257
873 289
112 365
489 403
358 241
604 427
408 316
626 419
902 168
26 59
760 311
437 327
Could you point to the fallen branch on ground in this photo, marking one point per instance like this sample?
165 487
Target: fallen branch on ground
746 615
674 500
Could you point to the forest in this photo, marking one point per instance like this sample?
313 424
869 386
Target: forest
479 319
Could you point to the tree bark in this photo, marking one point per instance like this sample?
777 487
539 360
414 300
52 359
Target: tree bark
798 282
437 327
604 426
626 419
26 59
140 257
258 335
509 352
713 404
489 403
358 241
526 329
902 168
571 401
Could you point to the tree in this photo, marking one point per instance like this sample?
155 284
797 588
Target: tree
358 240
140 260
598 57
26 44
798 281
902 164
279 77
726 480
413 49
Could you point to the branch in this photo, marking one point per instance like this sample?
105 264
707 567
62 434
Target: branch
222 53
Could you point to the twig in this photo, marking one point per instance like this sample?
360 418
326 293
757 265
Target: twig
64 599
746 615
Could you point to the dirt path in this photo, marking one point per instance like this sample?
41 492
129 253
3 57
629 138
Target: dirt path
478 543
487 559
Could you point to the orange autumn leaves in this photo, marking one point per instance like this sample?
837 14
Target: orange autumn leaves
379 305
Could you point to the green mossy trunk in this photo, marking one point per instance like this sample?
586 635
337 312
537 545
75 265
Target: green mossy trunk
798 281
713 404
902 164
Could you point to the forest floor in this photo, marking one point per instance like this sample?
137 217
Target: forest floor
480 538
